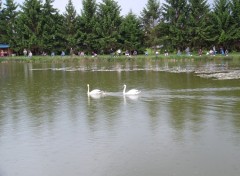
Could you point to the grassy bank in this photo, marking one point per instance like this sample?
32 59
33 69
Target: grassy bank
59 59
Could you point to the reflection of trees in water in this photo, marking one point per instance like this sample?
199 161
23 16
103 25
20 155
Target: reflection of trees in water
186 113
43 96
153 110
103 112
228 116
38 97
236 118
178 110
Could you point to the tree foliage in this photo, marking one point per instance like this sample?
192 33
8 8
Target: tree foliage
8 23
37 26
221 19
50 21
108 24
87 24
150 17
198 24
131 34
175 23
235 19
30 26
70 26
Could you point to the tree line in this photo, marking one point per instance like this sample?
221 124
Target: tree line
100 27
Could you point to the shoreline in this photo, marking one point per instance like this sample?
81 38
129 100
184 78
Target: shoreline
47 59
217 69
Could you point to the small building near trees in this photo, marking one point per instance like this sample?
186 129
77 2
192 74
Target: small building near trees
5 50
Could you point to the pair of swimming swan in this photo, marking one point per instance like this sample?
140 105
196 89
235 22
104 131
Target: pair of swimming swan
100 92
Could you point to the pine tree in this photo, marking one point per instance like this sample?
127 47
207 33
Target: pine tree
50 26
235 16
70 26
224 31
8 23
108 24
1 22
29 26
235 11
131 33
199 23
150 17
175 16
87 24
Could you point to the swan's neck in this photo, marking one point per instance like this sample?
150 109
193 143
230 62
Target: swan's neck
88 89
124 89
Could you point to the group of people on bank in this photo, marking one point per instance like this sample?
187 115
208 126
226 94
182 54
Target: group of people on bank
2 53
27 53
211 52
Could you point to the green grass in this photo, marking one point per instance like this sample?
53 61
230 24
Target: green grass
109 58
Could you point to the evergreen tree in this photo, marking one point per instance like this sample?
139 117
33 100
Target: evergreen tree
1 22
70 26
235 11
235 16
199 23
108 23
8 23
87 24
131 33
224 31
175 16
29 26
59 41
150 17
50 26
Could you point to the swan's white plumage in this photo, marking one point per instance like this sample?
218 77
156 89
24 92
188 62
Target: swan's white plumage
130 92
94 92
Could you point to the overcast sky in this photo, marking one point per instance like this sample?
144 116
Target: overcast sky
126 5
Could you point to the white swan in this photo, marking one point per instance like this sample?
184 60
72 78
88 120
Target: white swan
94 92
130 92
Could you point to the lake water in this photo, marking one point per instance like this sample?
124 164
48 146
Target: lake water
182 124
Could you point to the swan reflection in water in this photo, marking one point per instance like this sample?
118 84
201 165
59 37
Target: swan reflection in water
97 96
130 97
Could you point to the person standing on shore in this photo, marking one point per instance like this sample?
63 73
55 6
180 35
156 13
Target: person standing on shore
226 52
30 54
25 52
214 51
71 52
200 52
187 51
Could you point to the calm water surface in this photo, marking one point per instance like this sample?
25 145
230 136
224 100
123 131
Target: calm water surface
180 124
